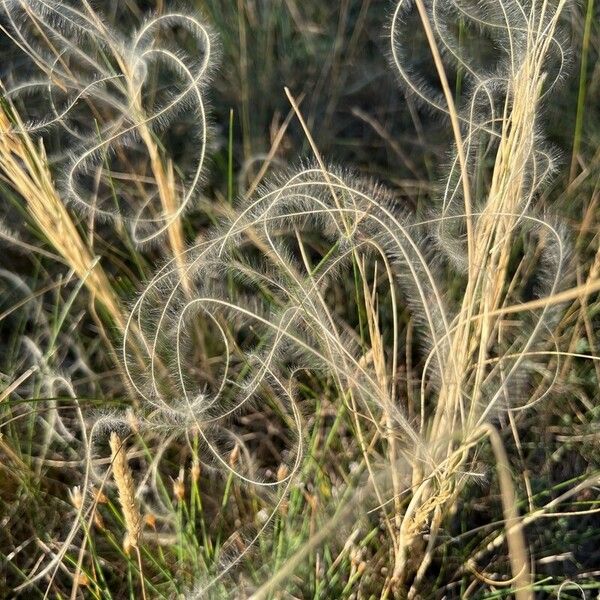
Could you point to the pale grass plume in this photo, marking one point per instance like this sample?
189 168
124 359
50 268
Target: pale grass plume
129 505
126 489
502 109
24 165
96 86
475 362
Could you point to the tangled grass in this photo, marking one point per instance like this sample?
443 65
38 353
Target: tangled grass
243 320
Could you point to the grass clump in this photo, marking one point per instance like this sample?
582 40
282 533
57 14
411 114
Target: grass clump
325 391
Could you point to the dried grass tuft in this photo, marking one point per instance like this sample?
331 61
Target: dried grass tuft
25 167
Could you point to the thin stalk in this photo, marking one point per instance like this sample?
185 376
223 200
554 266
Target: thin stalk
581 95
